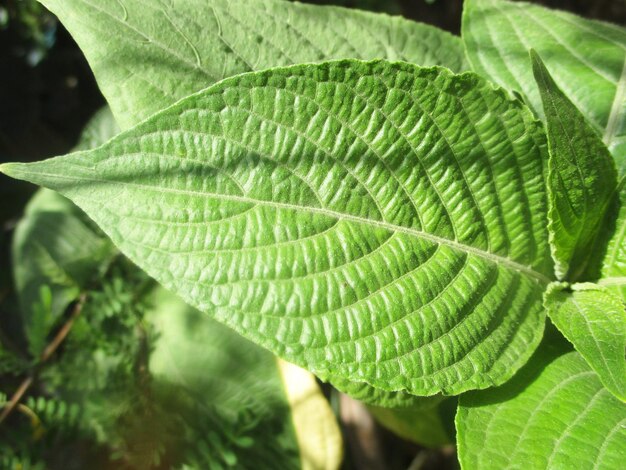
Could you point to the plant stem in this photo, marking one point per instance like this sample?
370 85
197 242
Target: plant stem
45 355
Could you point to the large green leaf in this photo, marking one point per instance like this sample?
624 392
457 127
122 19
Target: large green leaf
555 413
374 221
148 55
594 320
582 178
587 59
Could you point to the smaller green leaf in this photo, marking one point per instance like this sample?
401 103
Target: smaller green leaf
425 420
582 177
42 318
587 59
554 414
594 320
315 426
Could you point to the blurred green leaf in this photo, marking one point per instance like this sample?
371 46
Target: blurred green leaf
56 250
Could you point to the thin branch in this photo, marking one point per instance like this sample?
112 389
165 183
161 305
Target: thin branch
45 355
15 399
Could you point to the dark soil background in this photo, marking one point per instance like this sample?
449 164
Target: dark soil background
47 93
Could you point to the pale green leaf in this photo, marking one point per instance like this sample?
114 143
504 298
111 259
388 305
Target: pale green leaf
374 221
287 423
146 55
555 413
582 178
594 320
586 58
317 432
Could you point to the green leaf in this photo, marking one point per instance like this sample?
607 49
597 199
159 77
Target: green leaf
594 320
587 59
582 178
555 413
219 370
148 55
374 221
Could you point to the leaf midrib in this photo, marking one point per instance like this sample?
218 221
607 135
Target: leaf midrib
494 258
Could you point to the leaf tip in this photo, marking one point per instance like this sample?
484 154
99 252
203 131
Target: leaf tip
17 170
34 172
8 168
539 68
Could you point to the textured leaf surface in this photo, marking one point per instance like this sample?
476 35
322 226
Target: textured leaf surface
587 59
555 413
378 222
582 177
594 320
262 407
148 55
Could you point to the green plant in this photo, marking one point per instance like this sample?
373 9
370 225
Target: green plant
391 207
